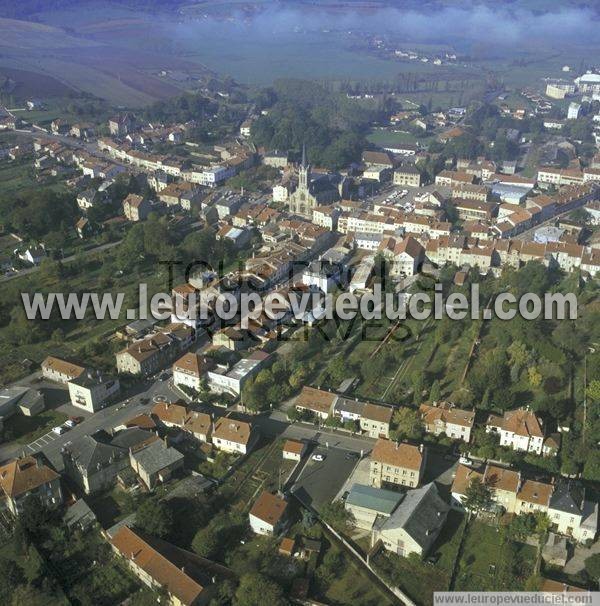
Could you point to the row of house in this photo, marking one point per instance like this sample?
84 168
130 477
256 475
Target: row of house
565 503
373 419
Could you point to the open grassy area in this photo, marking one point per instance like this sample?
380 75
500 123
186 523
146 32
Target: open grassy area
25 430
488 563
389 137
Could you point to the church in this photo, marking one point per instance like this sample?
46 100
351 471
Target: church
310 193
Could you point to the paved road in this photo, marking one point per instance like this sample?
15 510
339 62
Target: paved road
51 444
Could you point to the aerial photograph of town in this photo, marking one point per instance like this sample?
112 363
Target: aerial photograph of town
299 302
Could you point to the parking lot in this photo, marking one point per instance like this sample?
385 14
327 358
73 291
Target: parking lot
40 442
320 481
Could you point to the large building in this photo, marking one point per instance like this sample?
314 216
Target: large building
311 193
29 477
523 430
93 391
414 525
396 464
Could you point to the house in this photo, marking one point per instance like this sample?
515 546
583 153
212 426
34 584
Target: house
375 420
414 525
93 392
396 464
462 480
315 401
93 462
234 436
571 514
170 414
155 351
29 477
444 418
294 450
406 256
533 497
322 275
367 504
268 515
136 208
120 126
61 371
79 516
232 338
199 424
34 255
348 409
186 578
224 380
504 484
83 227
521 430
276 159
155 462
190 370
407 176
26 400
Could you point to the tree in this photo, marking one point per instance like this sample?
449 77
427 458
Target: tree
478 496
10 576
257 589
408 423
336 515
154 517
206 542
592 567
593 390
435 393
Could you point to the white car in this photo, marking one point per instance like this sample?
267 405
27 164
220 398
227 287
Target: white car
70 424
318 457
465 461
59 430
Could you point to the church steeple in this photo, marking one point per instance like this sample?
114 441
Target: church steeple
304 172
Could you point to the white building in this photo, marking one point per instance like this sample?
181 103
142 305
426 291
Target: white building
574 111
92 391
268 514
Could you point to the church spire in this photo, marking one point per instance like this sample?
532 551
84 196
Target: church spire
304 155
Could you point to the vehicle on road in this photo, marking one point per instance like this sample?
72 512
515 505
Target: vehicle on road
318 457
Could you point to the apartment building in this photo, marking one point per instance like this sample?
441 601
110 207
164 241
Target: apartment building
396 464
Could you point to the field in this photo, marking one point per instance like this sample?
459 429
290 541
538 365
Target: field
388 137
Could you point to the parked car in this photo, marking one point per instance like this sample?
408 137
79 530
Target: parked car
465 461
69 423
318 457
76 420
59 430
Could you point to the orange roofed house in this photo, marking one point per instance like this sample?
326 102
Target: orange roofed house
396 464
268 514
443 418
61 371
523 430
294 450
316 401
186 578
26 477
234 436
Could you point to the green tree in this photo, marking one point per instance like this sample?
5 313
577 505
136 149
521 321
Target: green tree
408 423
255 589
435 393
592 567
478 496
206 542
154 517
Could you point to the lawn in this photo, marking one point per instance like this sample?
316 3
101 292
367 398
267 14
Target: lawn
487 563
25 430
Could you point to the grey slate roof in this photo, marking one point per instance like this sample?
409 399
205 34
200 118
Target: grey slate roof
156 457
378 499
79 513
349 406
567 497
130 437
91 453
421 515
